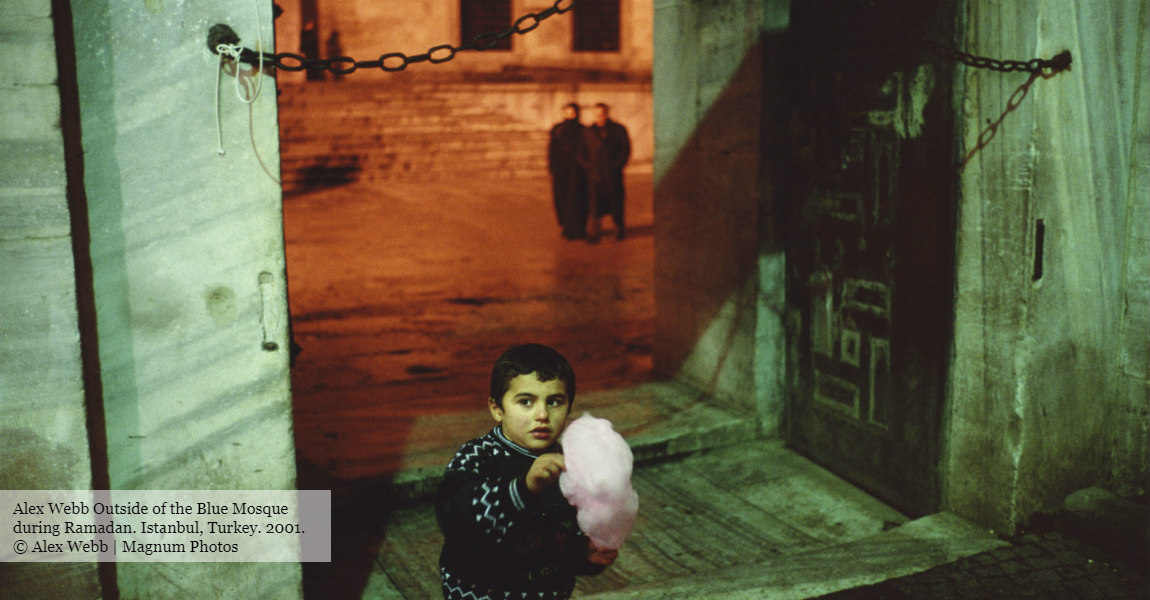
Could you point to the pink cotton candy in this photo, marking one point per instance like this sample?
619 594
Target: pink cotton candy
597 481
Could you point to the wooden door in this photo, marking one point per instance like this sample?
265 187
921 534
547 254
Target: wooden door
870 250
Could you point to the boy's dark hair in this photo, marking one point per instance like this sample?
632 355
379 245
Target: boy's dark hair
544 361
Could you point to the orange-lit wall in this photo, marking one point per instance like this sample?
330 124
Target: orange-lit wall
368 29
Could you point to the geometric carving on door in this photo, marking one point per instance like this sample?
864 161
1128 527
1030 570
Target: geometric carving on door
837 393
880 384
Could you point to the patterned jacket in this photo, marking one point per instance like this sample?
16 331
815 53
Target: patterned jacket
500 540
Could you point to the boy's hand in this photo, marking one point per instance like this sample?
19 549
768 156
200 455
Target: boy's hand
603 557
544 472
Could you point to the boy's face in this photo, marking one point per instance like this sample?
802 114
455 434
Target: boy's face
534 412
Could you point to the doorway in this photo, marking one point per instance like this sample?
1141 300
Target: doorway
870 249
404 292
421 240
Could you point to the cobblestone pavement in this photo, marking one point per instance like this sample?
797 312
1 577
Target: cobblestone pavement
1044 564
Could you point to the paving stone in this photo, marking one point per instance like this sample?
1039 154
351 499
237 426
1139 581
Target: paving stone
1046 566
1085 589
1027 551
1070 572
1006 553
1045 576
989 571
962 578
1041 562
1012 566
982 559
997 582
1069 557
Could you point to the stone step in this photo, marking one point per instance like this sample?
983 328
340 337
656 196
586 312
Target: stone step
322 154
342 157
910 548
659 420
386 113
444 138
742 521
319 151
336 132
415 130
412 126
1105 519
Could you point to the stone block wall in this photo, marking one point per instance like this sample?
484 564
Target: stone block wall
359 130
369 29
1049 390
186 279
43 430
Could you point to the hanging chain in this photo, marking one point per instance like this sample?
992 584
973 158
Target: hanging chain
398 61
1060 61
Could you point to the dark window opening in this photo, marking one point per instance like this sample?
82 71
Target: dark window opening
480 17
597 26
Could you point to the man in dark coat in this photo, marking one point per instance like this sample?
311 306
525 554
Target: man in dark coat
606 148
568 182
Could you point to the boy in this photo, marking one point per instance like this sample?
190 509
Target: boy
508 531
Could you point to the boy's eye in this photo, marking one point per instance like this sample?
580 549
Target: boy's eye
526 401
556 401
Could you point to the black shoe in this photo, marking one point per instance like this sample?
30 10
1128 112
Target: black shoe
620 234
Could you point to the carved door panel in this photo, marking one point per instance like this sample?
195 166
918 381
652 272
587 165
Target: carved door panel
870 250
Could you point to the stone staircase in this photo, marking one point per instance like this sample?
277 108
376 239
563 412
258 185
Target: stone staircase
747 521
342 131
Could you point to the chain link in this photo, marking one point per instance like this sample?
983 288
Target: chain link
1060 61
398 61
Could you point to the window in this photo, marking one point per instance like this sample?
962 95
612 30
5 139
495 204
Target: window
478 17
597 26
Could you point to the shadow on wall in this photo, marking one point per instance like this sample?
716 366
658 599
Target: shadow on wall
328 175
715 227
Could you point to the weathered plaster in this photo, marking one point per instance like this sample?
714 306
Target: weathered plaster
1039 402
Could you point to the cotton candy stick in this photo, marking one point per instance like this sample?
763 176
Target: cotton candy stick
597 480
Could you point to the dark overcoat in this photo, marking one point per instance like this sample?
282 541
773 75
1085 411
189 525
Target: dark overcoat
568 182
604 152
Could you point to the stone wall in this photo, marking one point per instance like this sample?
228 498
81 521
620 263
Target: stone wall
365 130
369 29
718 264
43 430
1049 381
186 277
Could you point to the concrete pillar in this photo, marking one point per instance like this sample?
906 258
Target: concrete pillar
188 263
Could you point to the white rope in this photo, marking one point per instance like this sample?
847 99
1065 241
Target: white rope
234 51
219 124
